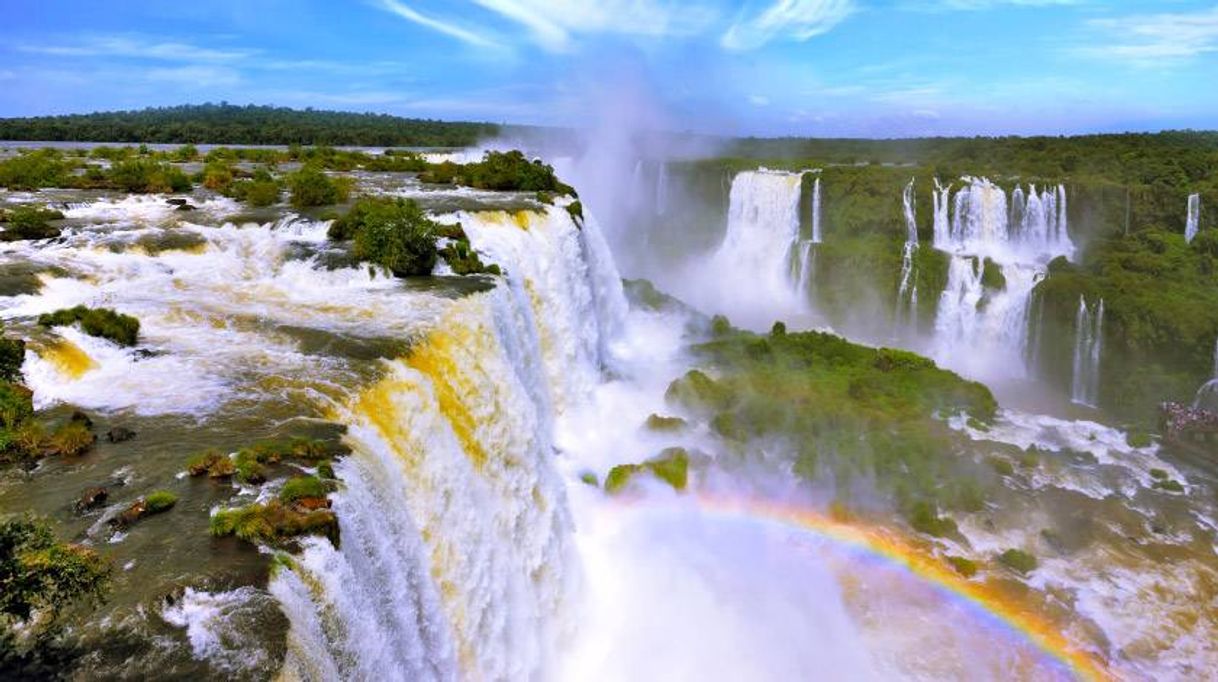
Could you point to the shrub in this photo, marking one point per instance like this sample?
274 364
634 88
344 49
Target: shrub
159 501
301 487
393 233
16 404
42 574
657 422
12 355
101 322
147 176
670 466
1018 560
213 463
576 210
465 261
1169 486
503 171
925 519
273 523
29 222
310 186
326 470
71 439
34 169
217 176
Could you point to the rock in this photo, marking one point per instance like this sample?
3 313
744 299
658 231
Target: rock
176 202
305 505
90 498
83 418
129 515
119 434
185 207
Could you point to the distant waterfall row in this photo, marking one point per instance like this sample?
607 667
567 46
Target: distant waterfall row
981 326
907 292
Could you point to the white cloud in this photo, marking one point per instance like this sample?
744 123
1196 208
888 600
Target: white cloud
554 23
137 48
448 29
1157 39
786 19
203 76
989 4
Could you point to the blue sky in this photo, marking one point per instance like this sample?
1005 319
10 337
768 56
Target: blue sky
808 67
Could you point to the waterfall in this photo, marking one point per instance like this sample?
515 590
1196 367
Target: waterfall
755 275
662 189
1207 396
806 265
984 331
1088 344
1194 215
816 234
907 292
456 534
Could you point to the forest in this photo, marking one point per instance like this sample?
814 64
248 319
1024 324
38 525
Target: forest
225 123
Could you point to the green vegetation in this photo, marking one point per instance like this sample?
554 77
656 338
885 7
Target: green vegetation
229 124
656 422
212 463
146 176
25 439
12 355
1018 560
326 470
1169 486
1138 439
39 574
28 222
670 466
310 186
847 412
576 209
991 275
395 234
301 487
589 478
963 566
503 171
274 523
100 322
260 190
159 501
1160 317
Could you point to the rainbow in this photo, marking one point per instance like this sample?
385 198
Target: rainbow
894 551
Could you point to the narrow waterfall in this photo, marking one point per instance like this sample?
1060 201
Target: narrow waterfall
456 534
662 189
806 266
1207 395
1088 344
907 293
984 330
1194 216
816 234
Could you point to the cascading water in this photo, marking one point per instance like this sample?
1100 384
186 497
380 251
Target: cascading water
816 211
754 276
1194 216
454 560
983 330
662 189
1088 345
907 293
1207 395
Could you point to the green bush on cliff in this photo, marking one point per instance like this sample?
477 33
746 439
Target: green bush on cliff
310 186
146 176
670 466
273 523
41 574
12 356
391 232
503 171
101 322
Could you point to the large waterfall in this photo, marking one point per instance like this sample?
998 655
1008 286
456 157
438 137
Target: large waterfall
907 293
1194 217
455 554
755 275
982 329
1088 345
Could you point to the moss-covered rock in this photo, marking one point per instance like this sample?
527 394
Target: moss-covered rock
101 322
159 501
274 523
670 466
656 422
301 487
992 277
963 566
1018 560
213 464
28 222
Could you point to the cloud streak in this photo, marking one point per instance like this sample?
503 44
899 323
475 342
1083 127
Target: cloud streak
448 29
1152 40
787 19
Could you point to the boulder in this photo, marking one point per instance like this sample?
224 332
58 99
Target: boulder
130 515
119 434
91 498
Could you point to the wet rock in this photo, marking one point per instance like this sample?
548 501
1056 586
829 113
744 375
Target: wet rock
130 515
305 505
176 202
82 418
119 434
185 207
91 498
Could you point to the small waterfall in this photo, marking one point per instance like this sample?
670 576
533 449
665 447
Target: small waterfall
1088 344
816 234
662 189
1207 395
806 265
1194 216
980 331
907 292
456 547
